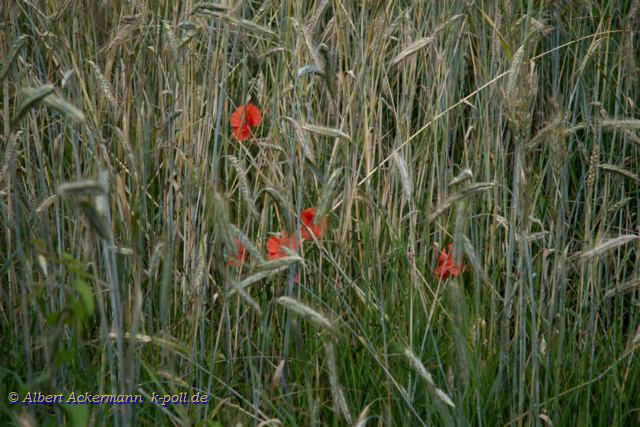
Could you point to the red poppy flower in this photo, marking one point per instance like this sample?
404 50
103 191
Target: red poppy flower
276 246
242 133
243 119
446 267
307 216
240 256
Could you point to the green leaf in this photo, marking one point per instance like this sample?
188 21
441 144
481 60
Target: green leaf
86 295
44 94
32 97
77 308
507 49
11 56
43 378
53 318
63 356
325 131
78 415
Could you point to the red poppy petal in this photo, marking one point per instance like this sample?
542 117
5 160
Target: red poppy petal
237 117
273 245
454 270
307 215
276 246
275 255
441 272
289 243
245 133
242 251
438 271
242 133
240 255
254 117
446 266
304 233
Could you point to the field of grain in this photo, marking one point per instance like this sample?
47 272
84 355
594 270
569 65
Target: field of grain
320 212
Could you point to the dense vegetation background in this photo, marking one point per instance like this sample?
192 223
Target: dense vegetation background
509 129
